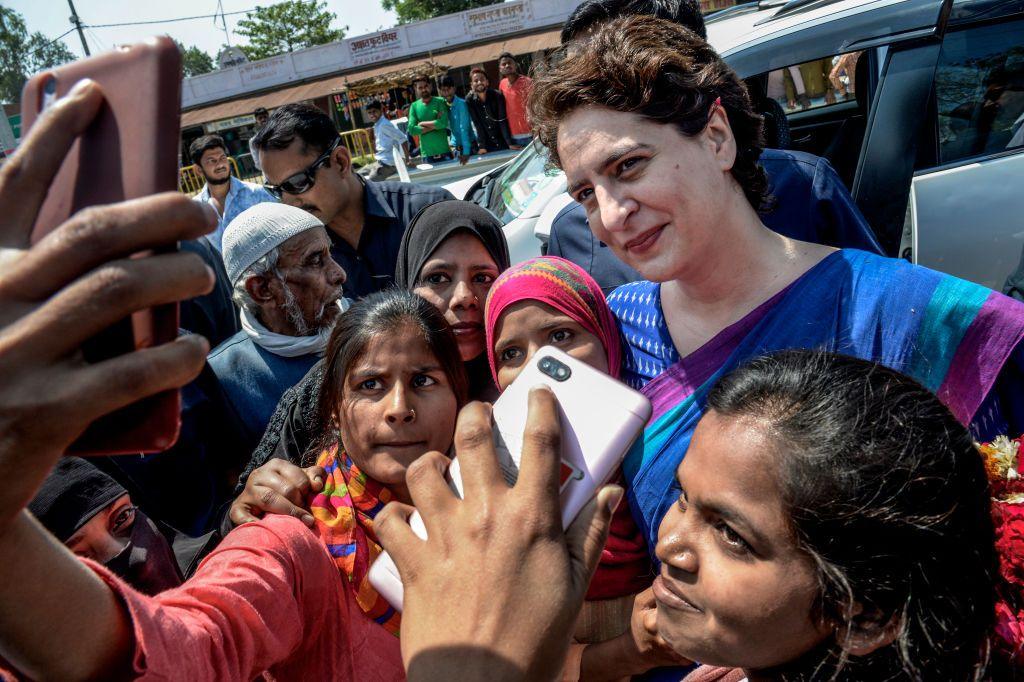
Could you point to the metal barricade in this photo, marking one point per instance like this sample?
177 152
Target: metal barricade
190 180
360 145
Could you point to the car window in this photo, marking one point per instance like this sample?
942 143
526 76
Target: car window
521 182
979 91
814 84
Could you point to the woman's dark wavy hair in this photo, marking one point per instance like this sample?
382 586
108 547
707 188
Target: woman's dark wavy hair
378 314
888 496
659 70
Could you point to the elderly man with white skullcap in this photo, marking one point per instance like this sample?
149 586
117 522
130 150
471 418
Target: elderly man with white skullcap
278 261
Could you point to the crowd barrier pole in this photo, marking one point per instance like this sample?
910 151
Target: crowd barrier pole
189 180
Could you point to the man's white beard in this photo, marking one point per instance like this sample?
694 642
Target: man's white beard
294 313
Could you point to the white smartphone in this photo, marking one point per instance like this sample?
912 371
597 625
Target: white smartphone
600 419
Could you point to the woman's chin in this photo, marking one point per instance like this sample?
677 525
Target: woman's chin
470 349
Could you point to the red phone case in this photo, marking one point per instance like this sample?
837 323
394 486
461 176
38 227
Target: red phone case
129 151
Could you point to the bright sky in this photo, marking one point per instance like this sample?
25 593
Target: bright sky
51 18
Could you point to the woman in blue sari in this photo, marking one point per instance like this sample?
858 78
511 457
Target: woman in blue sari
659 142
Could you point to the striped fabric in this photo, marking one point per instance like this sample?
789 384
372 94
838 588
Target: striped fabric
951 335
344 512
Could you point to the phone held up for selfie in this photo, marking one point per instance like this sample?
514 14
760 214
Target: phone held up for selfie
129 151
600 418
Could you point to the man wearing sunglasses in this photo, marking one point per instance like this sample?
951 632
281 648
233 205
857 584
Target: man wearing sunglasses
306 166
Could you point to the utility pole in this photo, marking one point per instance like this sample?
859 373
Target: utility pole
223 19
78 24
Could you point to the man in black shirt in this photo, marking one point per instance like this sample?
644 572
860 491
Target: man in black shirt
487 109
307 167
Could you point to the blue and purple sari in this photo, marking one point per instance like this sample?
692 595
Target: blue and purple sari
953 336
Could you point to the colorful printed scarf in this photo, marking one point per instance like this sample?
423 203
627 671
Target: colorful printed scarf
344 513
564 286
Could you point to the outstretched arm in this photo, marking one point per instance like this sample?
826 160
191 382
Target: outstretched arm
53 296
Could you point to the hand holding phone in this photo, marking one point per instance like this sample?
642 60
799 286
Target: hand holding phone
599 417
497 580
57 293
127 151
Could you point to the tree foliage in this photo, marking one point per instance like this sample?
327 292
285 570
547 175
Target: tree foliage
194 62
286 27
22 54
417 10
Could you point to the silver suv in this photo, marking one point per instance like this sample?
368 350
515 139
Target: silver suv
918 104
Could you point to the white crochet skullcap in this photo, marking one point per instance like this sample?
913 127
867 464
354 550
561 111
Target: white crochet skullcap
257 230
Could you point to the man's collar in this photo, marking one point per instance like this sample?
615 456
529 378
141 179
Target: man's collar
375 203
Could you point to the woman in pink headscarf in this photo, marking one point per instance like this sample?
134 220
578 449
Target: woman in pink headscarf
550 301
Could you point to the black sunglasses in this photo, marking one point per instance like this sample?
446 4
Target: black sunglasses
303 180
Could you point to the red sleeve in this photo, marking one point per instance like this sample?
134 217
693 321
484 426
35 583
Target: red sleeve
250 605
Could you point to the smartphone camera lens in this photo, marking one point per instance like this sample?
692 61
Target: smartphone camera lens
554 369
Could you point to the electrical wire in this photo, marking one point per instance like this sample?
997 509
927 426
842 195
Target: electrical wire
169 21
43 47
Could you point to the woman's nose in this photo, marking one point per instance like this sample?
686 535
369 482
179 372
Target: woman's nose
676 546
614 209
464 297
399 409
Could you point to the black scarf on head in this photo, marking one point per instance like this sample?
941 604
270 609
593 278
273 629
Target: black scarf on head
427 230
438 221
74 492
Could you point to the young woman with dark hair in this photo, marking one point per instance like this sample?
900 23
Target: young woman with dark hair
275 596
832 522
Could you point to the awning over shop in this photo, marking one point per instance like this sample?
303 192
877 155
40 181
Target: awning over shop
391 78
371 80
270 100
470 56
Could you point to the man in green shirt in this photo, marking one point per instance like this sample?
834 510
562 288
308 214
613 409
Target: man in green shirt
428 118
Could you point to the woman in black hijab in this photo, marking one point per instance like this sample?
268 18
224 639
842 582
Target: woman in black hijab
93 515
450 255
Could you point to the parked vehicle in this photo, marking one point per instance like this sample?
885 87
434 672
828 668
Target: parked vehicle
918 104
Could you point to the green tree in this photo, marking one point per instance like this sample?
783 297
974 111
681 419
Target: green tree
417 10
288 26
22 55
194 62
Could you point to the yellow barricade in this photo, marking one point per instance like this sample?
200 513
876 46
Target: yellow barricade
190 180
359 142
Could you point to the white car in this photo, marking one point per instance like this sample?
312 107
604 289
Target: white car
525 194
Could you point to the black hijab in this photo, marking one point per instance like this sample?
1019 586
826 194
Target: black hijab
74 492
438 221
427 230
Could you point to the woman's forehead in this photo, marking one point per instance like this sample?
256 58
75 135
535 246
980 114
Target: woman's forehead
589 136
400 345
460 246
735 463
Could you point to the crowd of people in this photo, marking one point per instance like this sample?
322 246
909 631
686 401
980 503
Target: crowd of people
450 127
807 501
